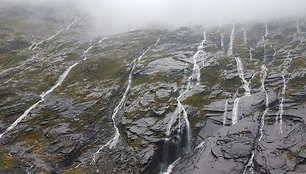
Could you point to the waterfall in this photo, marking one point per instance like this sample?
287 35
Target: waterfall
264 40
42 98
241 75
170 167
250 54
250 164
73 22
44 94
196 74
114 141
222 42
263 76
35 45
284 71
232 37
180 109
235 111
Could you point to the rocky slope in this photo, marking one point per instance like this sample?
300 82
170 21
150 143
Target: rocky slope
223 99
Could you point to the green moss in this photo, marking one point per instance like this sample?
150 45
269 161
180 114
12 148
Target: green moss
157 77
71 57
292 155
297 63
6 160
96 69
11 58
135 143
197 100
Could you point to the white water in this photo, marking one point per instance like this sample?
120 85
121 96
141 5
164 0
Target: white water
263 76
245 36
50 38
284 71
35 45
235 111
73 22
114 141
170 167
204 36
250 164
250 54
87 50
42 98
264 39
230 49
196 74
281 105
246 86
266 30
225 112
195 77
222 42
264 47
177 114
240 70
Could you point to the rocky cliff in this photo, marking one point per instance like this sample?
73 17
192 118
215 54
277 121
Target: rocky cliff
213 100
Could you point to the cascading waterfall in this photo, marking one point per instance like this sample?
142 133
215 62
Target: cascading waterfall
204 36
264 40
264 47
284 71
246 84
43 95
222 42
284 66
87 50
263 75
170 167
266 30
250 164
196 74
42 98
114 141
72 23
35 45
232 37
250 54
180 110
235 110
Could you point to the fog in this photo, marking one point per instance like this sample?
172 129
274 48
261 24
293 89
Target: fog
123 15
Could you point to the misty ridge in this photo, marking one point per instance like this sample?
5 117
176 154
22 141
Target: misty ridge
104 16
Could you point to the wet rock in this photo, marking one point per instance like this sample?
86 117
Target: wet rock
166 65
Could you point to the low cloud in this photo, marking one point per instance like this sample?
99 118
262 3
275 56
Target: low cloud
123 15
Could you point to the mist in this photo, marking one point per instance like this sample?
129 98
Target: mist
112 16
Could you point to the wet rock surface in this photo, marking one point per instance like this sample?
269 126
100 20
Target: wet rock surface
62 133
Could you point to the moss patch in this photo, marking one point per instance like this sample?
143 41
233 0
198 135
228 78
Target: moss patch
6 160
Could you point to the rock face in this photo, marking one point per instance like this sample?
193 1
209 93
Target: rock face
166 119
